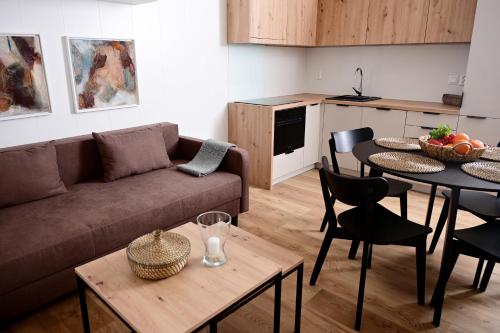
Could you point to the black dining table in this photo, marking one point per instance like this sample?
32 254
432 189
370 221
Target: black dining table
451 177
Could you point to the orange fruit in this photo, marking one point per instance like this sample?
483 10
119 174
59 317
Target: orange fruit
460 137
477 143
462 147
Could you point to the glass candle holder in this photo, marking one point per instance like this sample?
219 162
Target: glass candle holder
214 228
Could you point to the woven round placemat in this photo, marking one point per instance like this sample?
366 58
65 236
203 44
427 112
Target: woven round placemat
406 162
483 170
491 154
399 143
158 255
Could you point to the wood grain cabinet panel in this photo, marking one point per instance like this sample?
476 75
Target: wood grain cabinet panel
397 21
301 22
342 22
256 21
450 21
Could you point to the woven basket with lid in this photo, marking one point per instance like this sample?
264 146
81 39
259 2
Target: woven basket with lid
158 255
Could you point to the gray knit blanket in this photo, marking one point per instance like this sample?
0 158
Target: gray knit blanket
208 158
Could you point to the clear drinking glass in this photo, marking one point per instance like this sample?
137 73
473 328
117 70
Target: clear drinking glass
214 228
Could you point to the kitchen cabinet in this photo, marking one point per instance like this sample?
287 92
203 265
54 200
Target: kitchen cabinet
484 129
340 118
450 21
286 164
301 22
256 21
342 22
431 119
397 21
312 134
412 131
384 122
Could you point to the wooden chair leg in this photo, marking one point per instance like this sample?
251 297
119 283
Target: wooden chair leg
370 253
487 275
362 280
323 251
440 225
403 203
477 276
430 206
324 223
421 267
353 250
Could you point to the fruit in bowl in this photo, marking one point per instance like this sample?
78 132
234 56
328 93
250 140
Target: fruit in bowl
443 144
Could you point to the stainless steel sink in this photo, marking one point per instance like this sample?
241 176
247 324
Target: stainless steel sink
354 98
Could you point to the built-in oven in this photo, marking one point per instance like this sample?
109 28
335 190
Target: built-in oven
289 130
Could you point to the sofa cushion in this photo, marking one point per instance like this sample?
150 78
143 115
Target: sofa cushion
133 152
29 174
95 218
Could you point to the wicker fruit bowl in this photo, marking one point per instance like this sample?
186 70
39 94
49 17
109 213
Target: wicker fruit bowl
448 153
158 255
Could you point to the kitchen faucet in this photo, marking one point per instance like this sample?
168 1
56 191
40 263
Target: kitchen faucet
359 91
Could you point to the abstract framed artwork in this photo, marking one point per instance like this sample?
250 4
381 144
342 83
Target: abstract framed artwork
23 81
103 73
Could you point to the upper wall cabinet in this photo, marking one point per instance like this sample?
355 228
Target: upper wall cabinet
397 21
256 21
301 22
342 22
450 21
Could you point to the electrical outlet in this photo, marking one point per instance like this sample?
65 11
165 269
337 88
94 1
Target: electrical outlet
461 80
319 75
452 79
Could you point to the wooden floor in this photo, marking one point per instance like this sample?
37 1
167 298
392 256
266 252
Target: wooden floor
290 215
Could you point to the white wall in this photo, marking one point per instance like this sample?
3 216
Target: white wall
481 89
264 71
182 66
415 72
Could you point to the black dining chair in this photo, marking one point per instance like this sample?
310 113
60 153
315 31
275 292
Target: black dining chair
483 205
482 241
344 142
367 222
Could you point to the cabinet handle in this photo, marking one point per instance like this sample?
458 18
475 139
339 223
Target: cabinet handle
343 105
476 117
432 113
384 109
314 104
426 127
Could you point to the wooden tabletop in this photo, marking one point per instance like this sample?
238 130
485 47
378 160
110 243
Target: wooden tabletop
184 301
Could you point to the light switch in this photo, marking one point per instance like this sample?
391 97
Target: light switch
461 81
319 76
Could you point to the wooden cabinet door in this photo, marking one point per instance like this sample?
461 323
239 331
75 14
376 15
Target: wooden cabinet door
342 22
301 22
312 134
268 19
384 123
450 21
397 21
340 118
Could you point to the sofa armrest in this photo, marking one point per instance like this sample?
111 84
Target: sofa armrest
235 161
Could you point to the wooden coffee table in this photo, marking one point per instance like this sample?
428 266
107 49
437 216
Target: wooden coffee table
197 296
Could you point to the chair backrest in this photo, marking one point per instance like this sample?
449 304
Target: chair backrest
344 142
498 144
356 191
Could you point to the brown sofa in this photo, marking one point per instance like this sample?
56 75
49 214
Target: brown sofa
42 241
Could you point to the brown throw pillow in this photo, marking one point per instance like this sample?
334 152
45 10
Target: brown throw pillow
128 153
29 174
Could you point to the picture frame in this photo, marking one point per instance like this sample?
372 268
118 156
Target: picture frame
117 89
24 88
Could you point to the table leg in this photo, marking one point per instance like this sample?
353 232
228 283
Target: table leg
298 297
213 327
277 303
430 206
440 288
83 304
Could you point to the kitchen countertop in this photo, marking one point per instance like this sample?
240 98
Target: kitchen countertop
397 104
